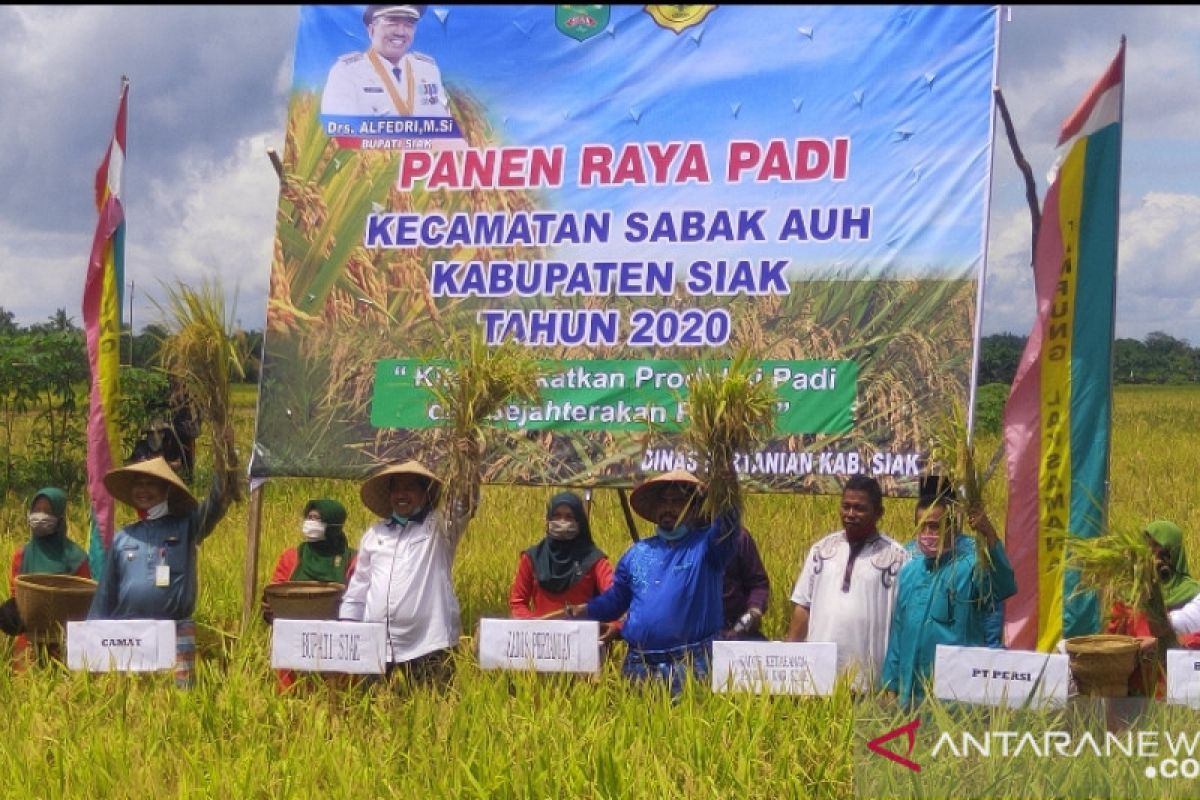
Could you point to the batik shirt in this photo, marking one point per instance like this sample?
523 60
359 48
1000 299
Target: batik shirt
849 596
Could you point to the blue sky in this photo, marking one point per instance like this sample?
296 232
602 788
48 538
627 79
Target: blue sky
208 97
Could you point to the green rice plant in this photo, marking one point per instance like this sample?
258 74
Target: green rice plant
204 352
730 410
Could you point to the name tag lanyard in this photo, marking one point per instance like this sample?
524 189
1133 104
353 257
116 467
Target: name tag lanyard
162 572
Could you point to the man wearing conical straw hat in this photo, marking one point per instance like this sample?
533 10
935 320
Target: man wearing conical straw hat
670 584
150 570
403 576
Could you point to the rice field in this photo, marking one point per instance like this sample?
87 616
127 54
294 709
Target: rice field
500 735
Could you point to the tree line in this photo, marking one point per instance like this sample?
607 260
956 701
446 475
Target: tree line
44 378
138 350
1158 359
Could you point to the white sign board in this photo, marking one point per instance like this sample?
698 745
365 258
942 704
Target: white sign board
326 645
1183 677
774 667
542 645
994 677
121 645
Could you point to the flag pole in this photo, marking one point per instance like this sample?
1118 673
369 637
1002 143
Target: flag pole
1112 332
102 307
257 486
131 291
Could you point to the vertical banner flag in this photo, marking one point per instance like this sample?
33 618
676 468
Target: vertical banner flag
1058 418
102 325
629 191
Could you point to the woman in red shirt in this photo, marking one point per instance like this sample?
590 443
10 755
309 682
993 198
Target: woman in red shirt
324 556
565 567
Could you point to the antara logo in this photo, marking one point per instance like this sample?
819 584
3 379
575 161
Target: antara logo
909 730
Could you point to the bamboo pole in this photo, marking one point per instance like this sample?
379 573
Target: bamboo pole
629 523
254 513
250 568
1031 196
1035 218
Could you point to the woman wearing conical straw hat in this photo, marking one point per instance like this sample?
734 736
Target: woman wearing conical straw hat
150 570
403 573
670 584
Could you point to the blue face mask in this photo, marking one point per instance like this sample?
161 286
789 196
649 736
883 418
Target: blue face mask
399 520
681 530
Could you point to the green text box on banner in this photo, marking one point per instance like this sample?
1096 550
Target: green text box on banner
622 395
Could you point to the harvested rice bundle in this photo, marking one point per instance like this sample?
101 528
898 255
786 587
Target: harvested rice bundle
476 383
203 352
952 455
1119 565
730 410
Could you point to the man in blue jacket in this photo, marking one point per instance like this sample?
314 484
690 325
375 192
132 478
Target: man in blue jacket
670 584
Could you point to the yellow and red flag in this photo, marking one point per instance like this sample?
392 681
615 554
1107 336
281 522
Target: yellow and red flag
1059 413
102 325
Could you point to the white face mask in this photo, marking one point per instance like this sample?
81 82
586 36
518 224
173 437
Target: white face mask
313 530
42 524
157 511
562 529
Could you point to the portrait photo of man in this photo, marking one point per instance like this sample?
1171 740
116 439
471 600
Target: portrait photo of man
389 79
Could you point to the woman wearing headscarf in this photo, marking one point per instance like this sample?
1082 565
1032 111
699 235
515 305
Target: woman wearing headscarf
48 551
564 567
324 555
1178 589
1178 585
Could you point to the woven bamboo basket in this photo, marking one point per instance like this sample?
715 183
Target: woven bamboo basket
1103 663
304 599
48 602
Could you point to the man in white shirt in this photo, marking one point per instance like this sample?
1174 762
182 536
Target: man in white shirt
403 574
387 80
847 587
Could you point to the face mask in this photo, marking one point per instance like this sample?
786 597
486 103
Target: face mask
562 529
929 544
154 512
1165 571
42 524
313 530
681 530
399 520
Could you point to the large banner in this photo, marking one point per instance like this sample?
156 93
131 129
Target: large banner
629 191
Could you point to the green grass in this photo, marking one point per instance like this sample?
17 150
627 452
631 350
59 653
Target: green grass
508 735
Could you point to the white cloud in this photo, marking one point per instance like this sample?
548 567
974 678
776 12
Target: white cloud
1009 301
216 221
1159 261
209 86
